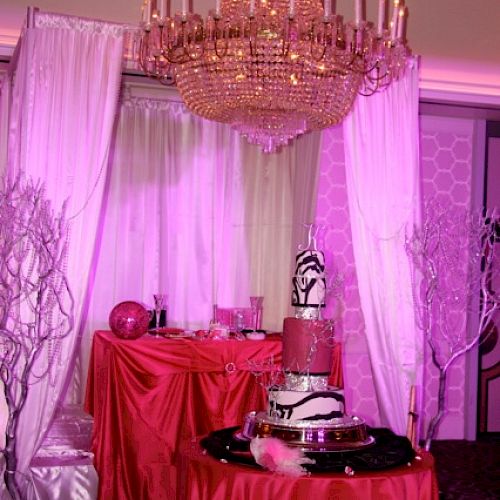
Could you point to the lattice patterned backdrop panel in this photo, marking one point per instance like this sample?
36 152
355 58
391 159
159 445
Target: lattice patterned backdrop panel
446 161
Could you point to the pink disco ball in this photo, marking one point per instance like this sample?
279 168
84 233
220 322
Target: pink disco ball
129 320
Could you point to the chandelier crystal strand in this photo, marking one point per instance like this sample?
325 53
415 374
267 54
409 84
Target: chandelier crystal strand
273 69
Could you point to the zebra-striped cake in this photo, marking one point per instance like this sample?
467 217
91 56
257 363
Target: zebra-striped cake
306 405
308 284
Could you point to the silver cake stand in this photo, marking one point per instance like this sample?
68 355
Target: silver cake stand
337 434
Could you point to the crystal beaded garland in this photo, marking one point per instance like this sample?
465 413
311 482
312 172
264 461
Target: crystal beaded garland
271 75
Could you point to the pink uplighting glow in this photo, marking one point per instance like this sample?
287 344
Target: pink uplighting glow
465 80
446 163
288 298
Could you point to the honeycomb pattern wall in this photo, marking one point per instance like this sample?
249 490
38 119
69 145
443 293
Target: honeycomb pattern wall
332 215
446 161
446 158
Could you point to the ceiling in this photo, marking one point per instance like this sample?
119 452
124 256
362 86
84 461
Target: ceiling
458 41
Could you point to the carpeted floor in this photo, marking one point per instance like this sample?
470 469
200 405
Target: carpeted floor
468 470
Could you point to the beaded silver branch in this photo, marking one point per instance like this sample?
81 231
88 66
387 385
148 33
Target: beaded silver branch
36 305
452 257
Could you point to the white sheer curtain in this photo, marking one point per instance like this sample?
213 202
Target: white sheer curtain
63 105
194 211
5 85
383 183
280 198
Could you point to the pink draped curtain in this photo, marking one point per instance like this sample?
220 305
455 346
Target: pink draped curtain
383 184
196 212
5 86
61 118
178 205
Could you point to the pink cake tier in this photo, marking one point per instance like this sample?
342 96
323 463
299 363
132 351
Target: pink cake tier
307 346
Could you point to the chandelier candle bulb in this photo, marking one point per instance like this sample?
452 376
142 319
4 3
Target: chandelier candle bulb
243 68
401 23
381 17
358 12
328 8
163 9
394 23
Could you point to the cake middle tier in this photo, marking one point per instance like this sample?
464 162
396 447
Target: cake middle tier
307 346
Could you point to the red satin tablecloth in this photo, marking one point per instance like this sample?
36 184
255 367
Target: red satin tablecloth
147 395
202 477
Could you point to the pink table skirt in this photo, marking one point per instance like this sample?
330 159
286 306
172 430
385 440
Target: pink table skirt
201 477
148 395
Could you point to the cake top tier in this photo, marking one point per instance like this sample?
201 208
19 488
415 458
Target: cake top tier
310 263
308 284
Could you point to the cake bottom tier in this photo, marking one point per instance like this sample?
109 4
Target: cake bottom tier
292 405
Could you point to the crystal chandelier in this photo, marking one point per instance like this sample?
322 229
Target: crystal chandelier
273 69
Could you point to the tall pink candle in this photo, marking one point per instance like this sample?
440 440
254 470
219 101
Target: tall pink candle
411 414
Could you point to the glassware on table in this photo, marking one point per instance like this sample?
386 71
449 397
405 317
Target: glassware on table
217 331
238 324
160 306
256 303
238 320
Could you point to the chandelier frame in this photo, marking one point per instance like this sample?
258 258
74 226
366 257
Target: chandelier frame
302 58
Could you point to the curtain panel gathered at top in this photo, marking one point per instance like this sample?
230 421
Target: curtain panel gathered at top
5 91
383 185
192 210
62 112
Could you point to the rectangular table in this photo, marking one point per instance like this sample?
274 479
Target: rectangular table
148 395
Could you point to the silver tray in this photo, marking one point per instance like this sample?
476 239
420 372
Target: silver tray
338 434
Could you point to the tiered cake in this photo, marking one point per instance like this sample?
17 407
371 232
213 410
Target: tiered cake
305 411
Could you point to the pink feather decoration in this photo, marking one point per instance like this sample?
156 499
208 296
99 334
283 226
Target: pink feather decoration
274 455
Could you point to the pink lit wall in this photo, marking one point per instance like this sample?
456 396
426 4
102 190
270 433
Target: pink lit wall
333 215
446 159
494 172
491 358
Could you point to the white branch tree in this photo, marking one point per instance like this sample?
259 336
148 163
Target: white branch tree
36 305
452 257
